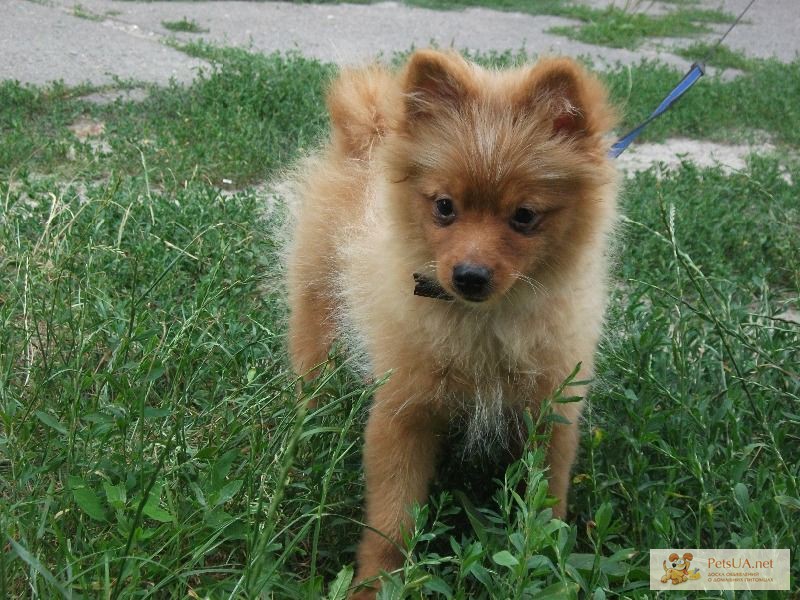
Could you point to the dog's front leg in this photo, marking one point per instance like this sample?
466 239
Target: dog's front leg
399 463
564 438
561 456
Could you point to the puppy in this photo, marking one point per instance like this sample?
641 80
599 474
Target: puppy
494 187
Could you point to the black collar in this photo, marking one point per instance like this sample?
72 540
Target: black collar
428 287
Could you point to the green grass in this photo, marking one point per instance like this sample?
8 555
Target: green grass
237 125
84 13
759 101
537 8
620 28
720 56
184 25
150 441
260 111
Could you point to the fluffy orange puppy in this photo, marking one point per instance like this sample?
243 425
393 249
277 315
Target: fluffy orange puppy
495 187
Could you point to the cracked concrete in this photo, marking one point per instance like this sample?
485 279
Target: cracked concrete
41 43
46 40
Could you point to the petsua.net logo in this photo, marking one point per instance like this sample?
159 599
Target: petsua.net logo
714 569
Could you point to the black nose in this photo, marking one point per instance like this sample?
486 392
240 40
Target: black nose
472 281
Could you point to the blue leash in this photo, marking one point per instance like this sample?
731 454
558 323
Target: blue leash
695 73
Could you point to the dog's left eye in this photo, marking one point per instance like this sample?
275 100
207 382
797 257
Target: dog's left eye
524 219
444 206
444 210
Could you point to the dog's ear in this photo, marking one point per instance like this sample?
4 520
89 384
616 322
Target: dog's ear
572 100
688 556
435 81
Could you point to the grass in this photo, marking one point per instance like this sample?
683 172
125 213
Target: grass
255 130
257 125
714 109
184 25
537 8
151 443
621 28
720 56
84 13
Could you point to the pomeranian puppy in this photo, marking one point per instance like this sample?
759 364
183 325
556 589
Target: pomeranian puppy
493 190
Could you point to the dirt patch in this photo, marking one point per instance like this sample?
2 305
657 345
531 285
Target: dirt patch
85 128
729 157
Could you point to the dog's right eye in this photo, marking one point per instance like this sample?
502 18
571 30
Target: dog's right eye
444 210
525 220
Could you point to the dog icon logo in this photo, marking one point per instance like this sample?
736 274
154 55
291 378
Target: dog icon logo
676 569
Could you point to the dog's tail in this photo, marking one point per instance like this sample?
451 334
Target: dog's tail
360 102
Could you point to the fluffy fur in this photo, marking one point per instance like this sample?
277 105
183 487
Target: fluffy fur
365 219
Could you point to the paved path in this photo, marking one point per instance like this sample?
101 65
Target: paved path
44 40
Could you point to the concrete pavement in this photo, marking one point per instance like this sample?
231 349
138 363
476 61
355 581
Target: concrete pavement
96 41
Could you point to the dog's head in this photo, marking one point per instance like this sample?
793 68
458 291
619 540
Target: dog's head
681 563
498 172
